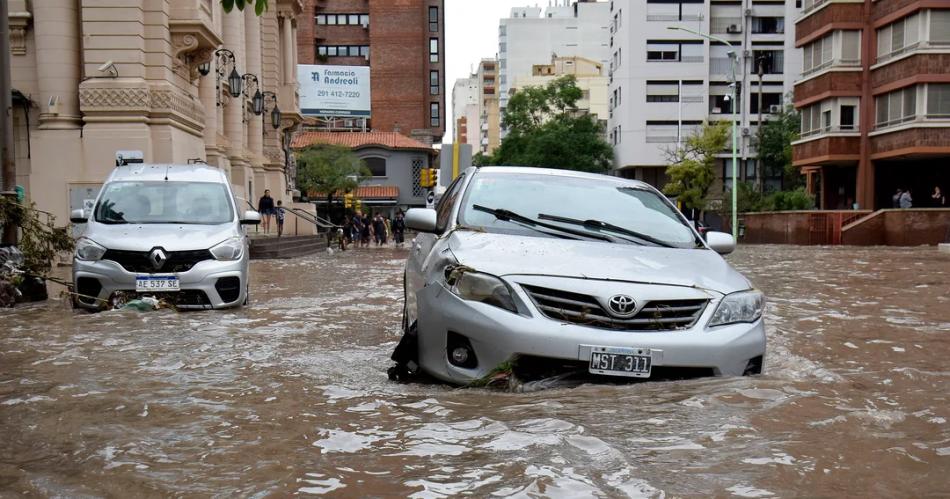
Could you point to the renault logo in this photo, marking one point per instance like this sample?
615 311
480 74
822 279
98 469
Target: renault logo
158 258
622 306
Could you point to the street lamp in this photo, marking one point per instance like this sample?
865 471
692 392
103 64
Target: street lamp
257 100
226 59
266 97
735 118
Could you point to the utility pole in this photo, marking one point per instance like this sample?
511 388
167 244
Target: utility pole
759 169
6 120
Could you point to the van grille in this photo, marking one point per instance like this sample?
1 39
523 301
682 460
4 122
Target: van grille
138 261
576 308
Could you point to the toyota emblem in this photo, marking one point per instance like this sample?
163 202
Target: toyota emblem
622 306
158 258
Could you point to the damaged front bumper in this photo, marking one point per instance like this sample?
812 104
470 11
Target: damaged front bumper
495 336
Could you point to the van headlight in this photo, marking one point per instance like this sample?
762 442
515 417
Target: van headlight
88 250
744 306
468 284
231 249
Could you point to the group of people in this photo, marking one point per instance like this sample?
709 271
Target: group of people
268 210
362 228
903 199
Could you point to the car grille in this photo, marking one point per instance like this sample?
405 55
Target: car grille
576 308
138 261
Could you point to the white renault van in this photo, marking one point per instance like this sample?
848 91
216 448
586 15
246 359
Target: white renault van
169 231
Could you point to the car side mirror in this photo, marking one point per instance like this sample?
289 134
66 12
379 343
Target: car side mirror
421 219
251 217
78 216
720 242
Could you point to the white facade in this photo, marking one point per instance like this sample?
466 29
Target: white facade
465 103
665 83
531 37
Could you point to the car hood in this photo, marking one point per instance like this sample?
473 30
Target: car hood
502 254
171 237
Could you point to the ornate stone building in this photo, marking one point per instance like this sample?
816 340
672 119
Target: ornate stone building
91 77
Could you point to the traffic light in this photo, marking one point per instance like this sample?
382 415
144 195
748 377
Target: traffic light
347 201
428 177
357 205
434 177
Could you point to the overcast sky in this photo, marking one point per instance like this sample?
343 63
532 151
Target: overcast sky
471 33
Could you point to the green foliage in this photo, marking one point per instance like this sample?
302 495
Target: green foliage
40 241
259 5
775 146
546 130
329 170
748 199
481 159
692 167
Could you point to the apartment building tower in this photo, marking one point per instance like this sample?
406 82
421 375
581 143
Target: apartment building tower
532 35
402 42
874 99
664 83
465 111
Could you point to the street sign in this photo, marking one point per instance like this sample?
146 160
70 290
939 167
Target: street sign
430 199
334 90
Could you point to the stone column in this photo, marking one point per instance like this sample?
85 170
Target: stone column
233 27
56 33
255 138
208 97
288 50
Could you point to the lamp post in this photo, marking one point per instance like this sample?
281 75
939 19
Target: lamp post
257 100
226 59
275 111
735 124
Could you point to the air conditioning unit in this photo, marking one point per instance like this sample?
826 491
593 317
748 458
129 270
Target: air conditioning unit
775 109
734 29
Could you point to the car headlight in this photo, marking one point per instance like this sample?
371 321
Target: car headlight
231 249
87 249
468 284
744 306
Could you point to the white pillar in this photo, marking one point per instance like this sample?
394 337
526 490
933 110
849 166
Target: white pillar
288 48
252 32
56 34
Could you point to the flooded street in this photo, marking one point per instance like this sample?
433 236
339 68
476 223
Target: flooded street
291 396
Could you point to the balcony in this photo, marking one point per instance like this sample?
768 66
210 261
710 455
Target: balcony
834 63
826 85
825 148
914 142
915 66
727 25
836 14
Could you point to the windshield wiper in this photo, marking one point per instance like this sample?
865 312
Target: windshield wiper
601 225
510 216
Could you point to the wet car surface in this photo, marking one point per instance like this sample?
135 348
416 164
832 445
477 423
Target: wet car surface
290 395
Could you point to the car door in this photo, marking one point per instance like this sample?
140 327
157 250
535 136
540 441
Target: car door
425 244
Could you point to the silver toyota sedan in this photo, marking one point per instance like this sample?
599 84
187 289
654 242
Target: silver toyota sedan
576 272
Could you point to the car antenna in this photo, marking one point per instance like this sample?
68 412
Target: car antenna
166 172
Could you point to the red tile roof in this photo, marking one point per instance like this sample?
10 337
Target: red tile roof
367 192
356 140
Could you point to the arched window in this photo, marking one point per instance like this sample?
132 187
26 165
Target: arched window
376 165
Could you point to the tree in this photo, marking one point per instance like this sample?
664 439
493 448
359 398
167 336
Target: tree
545 129
259 5
775 139
692 167
329 170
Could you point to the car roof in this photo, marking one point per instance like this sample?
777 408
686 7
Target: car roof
561 173
171 172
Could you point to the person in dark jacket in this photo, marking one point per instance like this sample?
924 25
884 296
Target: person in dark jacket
399 228
265 206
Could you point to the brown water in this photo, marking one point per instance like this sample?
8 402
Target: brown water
291 396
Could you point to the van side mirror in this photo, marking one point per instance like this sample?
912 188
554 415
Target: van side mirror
720 242
78 216
421 219
251 217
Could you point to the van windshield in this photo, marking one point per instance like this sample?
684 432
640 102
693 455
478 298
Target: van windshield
164 202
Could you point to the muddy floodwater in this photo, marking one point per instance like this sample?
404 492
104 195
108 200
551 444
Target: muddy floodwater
290 396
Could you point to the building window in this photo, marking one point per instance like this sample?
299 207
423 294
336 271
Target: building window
433 50
343 51
846 117
343 19
768 25
940 27
376 166
822 53
674 51
938 100
433 19
769 101
772 61
898 37
434 114
896 107
663 91
433 83
720 98
674 10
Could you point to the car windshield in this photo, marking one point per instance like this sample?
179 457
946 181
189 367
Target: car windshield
609 208
164 202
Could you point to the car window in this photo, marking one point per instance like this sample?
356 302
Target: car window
164 202
444 208
621 204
